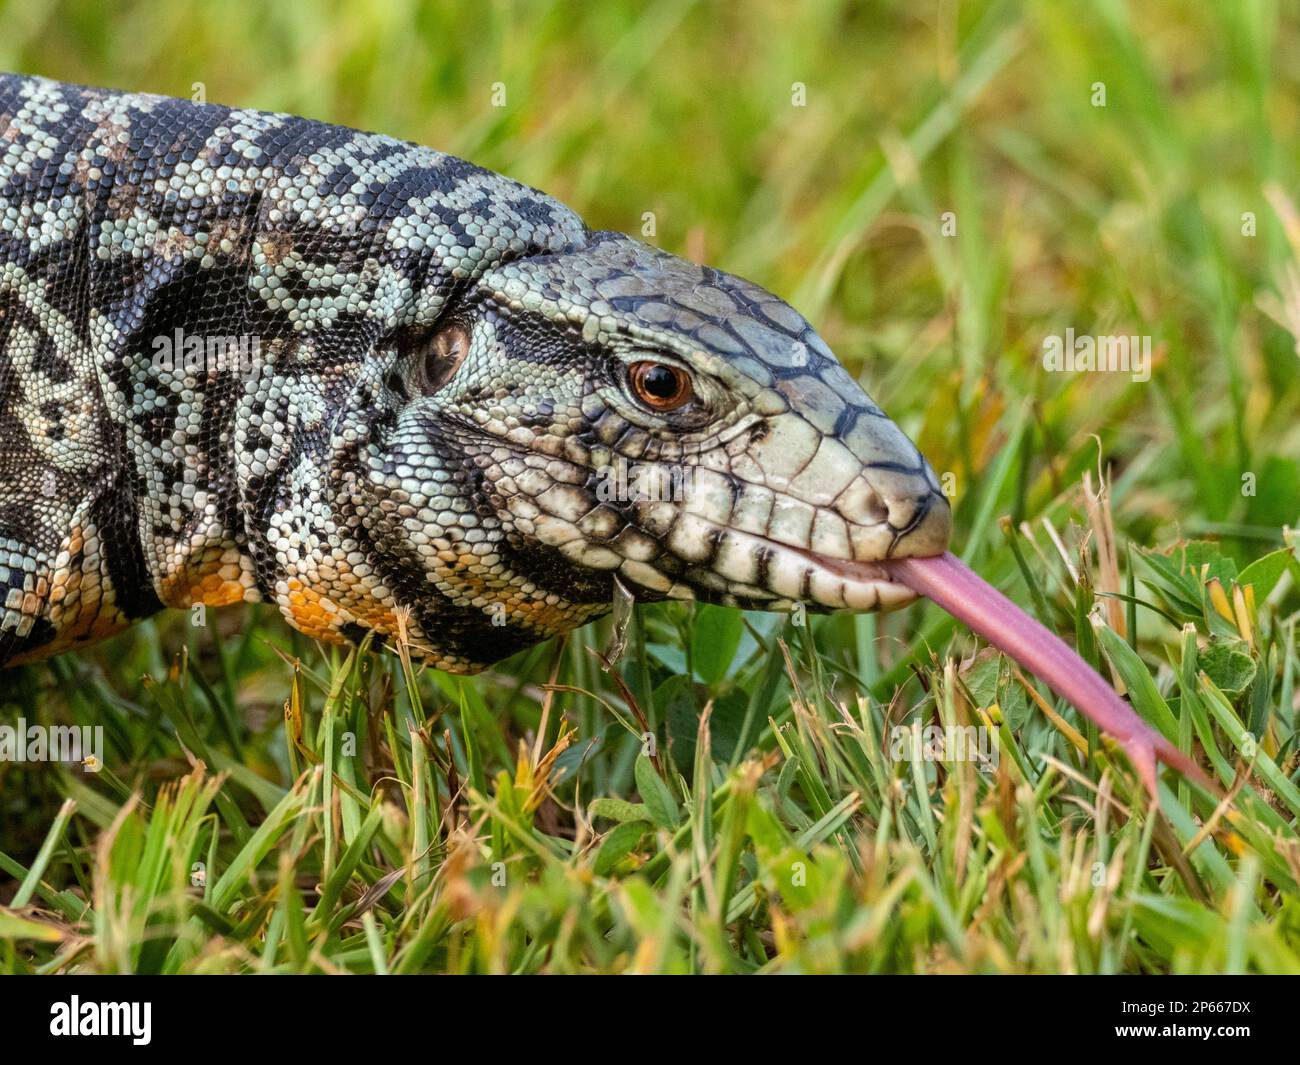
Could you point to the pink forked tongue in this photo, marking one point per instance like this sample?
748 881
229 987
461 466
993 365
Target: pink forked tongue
951 584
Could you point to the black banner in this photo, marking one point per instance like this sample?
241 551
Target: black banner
306 1013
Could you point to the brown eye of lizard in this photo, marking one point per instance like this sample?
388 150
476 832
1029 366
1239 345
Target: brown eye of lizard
659 386
444 354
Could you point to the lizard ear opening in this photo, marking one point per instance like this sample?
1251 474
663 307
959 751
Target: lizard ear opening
441 356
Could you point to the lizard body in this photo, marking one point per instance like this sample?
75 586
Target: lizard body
247 356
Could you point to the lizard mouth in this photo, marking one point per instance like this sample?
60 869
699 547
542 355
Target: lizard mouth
758 572
862 585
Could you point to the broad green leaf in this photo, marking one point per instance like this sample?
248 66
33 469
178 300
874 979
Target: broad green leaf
991 682
1264 573
619 810
726 720
618 845
715 636
655 794
1229 664
1182 592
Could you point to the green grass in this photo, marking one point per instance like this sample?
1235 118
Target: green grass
411 821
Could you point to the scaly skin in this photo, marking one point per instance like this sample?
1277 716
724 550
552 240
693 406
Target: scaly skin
436 382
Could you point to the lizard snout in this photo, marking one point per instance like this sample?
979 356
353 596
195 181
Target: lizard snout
833 452
926 532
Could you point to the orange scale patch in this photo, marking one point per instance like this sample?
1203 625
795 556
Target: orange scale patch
84 621
310 614
210 581
545 617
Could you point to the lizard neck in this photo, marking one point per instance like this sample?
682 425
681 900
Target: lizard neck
340 540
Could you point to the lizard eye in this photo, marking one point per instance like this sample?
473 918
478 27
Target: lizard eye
443 354
659 386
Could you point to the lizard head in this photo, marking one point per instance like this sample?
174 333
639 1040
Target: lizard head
613 411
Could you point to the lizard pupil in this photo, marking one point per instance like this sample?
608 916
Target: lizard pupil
659 386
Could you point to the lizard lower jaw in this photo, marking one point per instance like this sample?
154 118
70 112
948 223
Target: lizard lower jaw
788 575
864 585
748 569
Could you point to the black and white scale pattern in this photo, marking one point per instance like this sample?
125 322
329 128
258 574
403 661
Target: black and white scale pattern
225 375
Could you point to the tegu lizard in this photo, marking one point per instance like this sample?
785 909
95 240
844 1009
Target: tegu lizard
246 356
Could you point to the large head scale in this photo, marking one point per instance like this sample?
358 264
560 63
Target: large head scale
611 410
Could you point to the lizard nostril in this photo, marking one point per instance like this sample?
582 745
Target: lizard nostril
926 531
862 504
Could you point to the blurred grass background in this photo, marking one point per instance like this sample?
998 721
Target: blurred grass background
817 153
